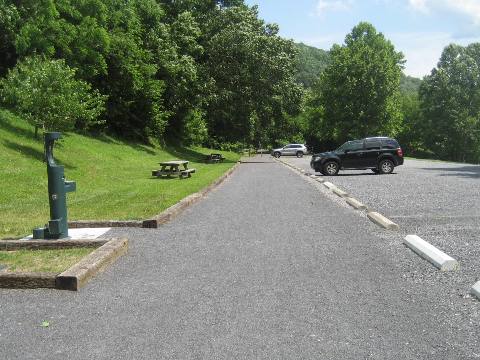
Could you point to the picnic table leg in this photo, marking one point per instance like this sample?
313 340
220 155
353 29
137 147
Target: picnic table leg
162 171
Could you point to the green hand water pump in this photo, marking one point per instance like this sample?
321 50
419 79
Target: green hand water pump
57 227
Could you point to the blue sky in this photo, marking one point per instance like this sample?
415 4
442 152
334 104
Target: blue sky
418 28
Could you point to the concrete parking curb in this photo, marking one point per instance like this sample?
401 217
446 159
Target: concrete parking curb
429 252
475 290
339 192
382 221
329 185
375 217
355 203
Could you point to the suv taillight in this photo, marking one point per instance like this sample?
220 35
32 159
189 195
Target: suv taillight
400 152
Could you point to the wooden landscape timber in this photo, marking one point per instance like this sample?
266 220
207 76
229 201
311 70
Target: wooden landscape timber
107 252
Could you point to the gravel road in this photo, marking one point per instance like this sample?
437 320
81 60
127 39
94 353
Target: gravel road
265 267
438 201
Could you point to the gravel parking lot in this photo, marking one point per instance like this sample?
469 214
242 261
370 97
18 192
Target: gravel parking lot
438 201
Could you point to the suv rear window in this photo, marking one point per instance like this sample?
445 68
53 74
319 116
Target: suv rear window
390 144
372 144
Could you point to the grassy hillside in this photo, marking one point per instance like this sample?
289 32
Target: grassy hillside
113 177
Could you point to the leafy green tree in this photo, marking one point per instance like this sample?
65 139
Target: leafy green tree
195 130
249 75
46 93
359 89
9 22
450 103
73 30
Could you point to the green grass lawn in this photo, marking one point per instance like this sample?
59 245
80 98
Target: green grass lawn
52 261
113 177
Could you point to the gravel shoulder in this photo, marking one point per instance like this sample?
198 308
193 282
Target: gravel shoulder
265 267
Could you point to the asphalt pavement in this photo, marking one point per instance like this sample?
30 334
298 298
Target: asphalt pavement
266 267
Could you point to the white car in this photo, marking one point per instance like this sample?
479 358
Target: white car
297 150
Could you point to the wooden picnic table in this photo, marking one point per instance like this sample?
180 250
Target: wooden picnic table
172 168
214 158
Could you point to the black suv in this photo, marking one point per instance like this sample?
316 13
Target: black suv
381 154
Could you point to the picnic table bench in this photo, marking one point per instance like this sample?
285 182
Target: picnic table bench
172 168
214 158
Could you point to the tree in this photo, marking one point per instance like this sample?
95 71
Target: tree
450 104
46 93
9 21
359 89
249 72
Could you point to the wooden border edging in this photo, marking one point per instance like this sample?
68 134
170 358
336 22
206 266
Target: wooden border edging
157 220
18 280
80 224
11 245
430 253
79 274
176 209
73 278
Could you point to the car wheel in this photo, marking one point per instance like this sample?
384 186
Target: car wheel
299 154
277 154
386 166
330 168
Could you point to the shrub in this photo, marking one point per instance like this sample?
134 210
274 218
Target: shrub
195 129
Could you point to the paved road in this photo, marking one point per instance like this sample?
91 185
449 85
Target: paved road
266 267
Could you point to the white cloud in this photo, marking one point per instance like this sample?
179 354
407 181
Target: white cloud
419 5
332 5
422 50
469 8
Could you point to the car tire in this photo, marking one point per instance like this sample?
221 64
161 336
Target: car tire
299 154
386 166
277 154
330 168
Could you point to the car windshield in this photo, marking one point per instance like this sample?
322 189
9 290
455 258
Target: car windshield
343 147
354 145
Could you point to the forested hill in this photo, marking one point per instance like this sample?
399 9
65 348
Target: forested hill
311 61
409 84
